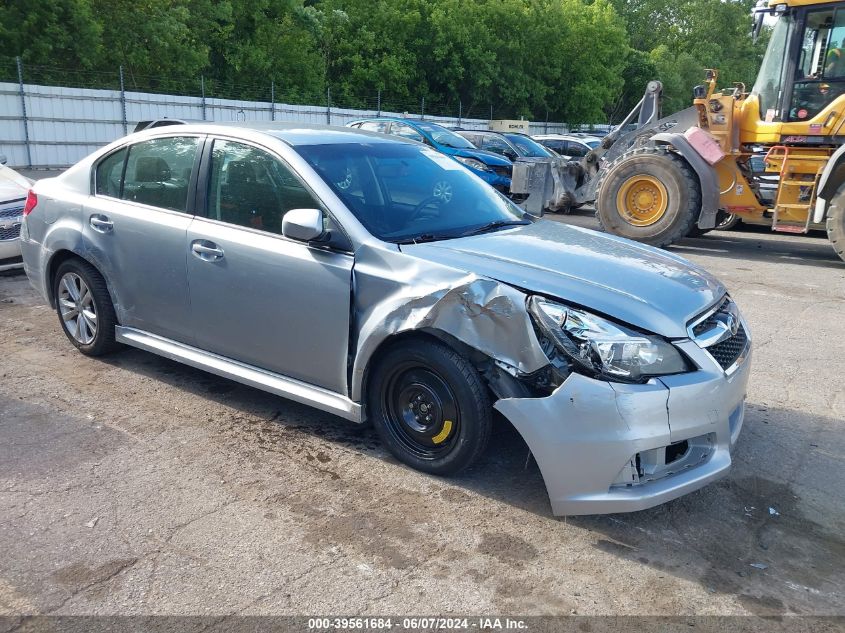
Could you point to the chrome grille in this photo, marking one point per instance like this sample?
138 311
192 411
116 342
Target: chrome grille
721 332
728 351
11 213
10 233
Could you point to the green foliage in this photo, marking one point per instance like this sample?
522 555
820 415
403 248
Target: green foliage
683 37
54 32
578 61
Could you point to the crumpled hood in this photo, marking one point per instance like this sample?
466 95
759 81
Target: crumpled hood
643 286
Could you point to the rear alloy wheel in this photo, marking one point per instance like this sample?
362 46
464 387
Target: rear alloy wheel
650 195
429 407
84 307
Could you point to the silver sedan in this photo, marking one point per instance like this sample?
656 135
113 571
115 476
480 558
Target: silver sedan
375 279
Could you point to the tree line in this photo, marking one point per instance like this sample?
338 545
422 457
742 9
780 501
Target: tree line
577 61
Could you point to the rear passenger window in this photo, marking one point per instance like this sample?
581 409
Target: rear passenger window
252 188
110 174
406 131
374 126
158 172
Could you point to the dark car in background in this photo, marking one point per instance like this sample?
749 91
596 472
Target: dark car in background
573 146
511 145
493 168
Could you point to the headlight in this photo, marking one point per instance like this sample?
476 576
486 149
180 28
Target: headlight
472 163
596 345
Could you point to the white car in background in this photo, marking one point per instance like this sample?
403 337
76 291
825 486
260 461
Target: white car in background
13 190
572 146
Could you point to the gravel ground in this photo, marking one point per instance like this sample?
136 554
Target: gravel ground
132 484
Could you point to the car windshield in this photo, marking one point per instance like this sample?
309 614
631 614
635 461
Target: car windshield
528 147
445 137
404 193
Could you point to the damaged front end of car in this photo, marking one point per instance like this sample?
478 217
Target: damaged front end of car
617 419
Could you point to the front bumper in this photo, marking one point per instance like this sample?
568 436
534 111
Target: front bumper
590 437
10 253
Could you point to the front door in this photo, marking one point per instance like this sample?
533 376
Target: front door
256 296
134 227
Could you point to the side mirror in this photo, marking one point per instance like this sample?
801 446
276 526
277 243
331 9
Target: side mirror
758 25
303 225
2 159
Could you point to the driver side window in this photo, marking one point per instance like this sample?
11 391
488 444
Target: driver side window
252 188
497 145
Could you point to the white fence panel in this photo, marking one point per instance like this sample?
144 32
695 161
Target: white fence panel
66 124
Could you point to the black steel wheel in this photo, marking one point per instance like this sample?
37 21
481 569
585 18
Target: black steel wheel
429 406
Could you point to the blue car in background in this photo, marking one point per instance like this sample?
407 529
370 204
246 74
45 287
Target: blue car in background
492 168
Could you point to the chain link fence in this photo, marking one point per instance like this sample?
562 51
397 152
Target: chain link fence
51 117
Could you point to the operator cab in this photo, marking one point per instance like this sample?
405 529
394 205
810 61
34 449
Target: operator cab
803 70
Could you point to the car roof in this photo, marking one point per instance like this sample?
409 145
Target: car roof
420 123
463 131
566 137
292 133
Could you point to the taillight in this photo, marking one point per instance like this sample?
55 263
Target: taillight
31 201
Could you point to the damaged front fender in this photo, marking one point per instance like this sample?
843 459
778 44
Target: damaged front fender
484 314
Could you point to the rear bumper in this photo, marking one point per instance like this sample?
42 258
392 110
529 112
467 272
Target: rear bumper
590 438
33 264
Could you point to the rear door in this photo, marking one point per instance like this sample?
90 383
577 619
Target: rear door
135 225
256 296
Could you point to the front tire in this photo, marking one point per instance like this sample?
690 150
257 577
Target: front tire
650 195
84 306
836 221
429 407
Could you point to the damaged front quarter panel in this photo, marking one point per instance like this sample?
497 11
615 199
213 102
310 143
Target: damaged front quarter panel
394 293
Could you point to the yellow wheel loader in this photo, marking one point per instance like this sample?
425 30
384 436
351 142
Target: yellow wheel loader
674 176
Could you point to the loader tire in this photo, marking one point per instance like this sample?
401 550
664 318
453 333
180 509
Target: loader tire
650 195
836 221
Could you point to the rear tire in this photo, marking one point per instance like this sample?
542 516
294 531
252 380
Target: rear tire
836 221
84 306
658 192
727 221
429 407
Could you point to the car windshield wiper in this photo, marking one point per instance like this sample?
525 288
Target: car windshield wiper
426 237
492 226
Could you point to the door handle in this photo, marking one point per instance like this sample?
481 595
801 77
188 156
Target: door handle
207 251
101 223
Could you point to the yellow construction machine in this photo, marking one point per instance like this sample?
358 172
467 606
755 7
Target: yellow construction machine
673 176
